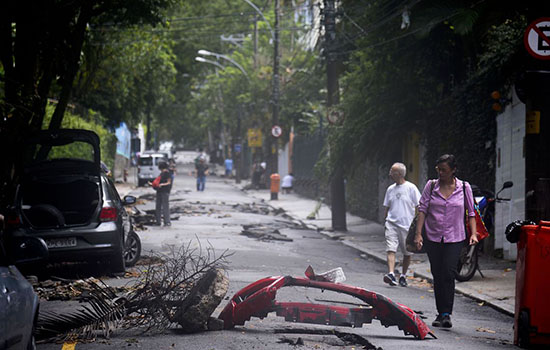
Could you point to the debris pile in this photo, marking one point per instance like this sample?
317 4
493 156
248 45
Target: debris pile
264 233
64 289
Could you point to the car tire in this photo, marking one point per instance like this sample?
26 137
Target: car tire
141 182
132 252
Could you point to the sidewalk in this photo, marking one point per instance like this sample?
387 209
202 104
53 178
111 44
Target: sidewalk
497 289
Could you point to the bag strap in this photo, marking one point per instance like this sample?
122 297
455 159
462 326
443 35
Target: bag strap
432 185
465 209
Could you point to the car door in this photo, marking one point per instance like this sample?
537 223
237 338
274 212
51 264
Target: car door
16 312
4 333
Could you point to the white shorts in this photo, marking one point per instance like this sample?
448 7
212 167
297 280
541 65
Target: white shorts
395 237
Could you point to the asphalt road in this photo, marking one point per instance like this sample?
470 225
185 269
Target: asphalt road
211 218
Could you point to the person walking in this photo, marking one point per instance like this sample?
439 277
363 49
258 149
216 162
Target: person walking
163 195
228 167
400 201
442 209
202 171
287 183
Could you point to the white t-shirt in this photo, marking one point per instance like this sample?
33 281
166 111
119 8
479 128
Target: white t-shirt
401 201
287 181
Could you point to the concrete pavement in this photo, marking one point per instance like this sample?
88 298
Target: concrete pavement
496 289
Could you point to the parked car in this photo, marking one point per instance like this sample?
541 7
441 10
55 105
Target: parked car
65 198
19 303
148 166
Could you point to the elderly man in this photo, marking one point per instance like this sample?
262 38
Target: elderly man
400 201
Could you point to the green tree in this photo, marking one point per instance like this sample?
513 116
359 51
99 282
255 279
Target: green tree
40 51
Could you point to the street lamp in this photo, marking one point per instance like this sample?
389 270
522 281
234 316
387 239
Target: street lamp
204 60
265 19
218 55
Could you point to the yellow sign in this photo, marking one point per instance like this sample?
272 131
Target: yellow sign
532 122
254 138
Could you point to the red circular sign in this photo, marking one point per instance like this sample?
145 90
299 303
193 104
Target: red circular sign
537 38
276 131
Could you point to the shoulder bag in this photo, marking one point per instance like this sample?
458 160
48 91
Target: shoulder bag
409 241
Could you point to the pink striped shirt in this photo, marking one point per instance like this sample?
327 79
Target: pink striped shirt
445 217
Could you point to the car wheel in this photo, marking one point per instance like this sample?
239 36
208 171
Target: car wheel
132 251
141 182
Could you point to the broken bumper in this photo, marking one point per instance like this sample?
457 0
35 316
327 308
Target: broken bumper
258 300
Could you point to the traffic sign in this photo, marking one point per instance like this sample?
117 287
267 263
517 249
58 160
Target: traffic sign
335 116
537 38
255 138
276 131
237 147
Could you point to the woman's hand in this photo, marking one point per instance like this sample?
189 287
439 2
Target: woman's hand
418 241
473 229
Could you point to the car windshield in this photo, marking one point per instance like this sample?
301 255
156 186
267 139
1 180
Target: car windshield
145 161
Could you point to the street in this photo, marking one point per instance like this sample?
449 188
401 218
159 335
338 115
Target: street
216 218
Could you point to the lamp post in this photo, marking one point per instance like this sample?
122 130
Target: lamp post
273 158
238 159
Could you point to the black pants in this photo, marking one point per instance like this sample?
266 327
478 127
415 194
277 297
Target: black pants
443 261
162 207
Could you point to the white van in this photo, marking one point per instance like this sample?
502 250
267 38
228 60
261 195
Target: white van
148 167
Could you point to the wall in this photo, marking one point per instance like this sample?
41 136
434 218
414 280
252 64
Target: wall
510 166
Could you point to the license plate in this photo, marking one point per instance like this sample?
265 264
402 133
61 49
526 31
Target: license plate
61 242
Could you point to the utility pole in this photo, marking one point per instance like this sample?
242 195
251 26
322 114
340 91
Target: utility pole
255 40
275 117
237 153
337 186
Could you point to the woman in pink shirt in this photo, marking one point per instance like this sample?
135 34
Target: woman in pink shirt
442 209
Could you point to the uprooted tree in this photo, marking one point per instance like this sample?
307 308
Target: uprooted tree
185 289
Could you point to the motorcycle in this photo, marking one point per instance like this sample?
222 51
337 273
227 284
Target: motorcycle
468 262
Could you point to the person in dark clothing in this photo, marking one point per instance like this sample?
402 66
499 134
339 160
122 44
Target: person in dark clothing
163 195
202 171
442 212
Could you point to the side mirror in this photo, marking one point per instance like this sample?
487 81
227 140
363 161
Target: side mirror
28 250
129 200
505 185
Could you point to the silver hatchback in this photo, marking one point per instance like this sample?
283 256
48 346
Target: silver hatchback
67 200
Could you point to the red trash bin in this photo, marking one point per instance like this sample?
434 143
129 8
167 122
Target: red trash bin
275 182
532 312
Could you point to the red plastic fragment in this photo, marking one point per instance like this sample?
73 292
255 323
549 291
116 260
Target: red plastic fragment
258 300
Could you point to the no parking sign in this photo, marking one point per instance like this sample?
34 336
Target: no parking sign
537 38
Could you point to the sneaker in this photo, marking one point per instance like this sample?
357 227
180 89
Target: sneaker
389 278
446 321
437 321
168 224
403 281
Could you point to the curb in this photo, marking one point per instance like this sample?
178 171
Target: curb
458 289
